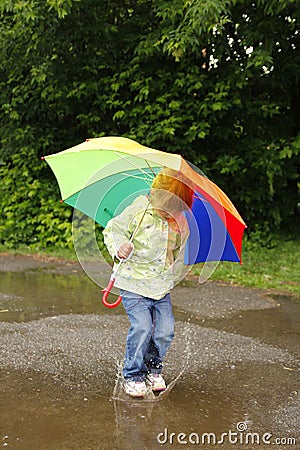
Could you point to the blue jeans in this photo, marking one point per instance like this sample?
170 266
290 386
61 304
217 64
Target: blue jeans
149 336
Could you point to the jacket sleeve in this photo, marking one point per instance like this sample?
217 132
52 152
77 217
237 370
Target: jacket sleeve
119 229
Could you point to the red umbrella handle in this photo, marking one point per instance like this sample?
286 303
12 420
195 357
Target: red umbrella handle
106 293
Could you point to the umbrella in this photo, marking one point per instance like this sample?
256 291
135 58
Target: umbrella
102 176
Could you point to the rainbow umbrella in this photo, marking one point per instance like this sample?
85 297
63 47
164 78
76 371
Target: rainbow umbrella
102 176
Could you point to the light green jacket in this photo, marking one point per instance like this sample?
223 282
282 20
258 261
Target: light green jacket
156 264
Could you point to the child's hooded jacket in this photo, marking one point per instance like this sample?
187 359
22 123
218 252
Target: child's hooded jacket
156 264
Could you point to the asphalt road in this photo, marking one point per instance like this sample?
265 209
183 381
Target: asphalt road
235 345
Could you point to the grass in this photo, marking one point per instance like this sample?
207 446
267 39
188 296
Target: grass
61 253
275 268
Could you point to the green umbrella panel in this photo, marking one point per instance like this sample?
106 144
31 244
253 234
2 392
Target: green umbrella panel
109 196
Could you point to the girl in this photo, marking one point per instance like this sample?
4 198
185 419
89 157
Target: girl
154 265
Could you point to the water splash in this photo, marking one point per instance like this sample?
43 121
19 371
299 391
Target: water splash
150 397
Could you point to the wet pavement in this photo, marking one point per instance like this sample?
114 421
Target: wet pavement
233 366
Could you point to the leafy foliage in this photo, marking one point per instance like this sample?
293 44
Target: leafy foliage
29 212
217 81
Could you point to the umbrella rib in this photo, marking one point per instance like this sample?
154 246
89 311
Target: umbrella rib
137 167
147 178
150 168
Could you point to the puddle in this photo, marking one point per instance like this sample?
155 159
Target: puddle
37 416
277 326
40 410
26 296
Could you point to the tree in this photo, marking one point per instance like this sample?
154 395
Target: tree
247 96
217 81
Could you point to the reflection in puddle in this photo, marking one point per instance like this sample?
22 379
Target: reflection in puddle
138 425
32 295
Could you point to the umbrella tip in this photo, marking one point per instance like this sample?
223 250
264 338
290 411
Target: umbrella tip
61 201
42 158
87 140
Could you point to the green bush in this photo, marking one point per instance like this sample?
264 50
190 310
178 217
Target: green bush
218 83
30 211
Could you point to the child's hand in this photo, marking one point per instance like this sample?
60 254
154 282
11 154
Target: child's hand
125 250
